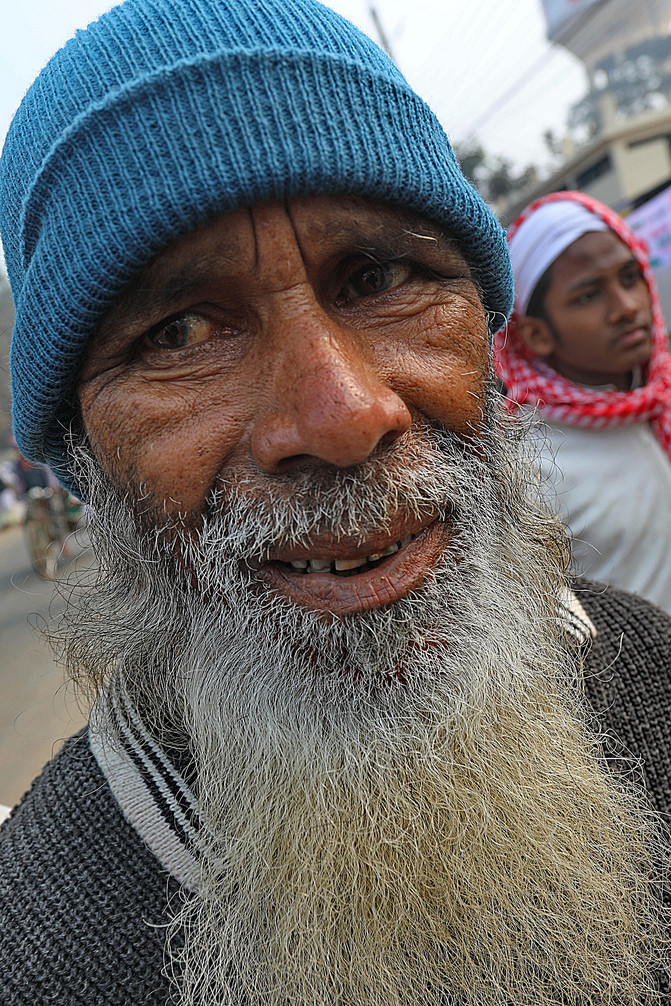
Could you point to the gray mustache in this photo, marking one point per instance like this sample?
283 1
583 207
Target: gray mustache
428 472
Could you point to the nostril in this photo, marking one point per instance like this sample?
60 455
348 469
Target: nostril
390 438
294 463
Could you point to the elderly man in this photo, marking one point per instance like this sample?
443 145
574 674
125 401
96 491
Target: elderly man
587 349
339 750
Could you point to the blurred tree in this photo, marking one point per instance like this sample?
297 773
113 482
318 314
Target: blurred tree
496 178
553 145
472 160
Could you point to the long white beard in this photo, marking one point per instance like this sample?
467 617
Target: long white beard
403 807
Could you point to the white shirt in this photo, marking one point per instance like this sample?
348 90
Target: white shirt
612 488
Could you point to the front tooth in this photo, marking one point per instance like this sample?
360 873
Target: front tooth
300 563
391 549
375 556
319 565
406 541
350 563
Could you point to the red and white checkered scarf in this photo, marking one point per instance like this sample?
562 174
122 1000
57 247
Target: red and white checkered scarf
530 381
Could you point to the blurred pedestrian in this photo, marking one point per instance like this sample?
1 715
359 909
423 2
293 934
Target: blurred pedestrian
29 476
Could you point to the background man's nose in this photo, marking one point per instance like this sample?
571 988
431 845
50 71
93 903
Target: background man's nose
329 405
623 301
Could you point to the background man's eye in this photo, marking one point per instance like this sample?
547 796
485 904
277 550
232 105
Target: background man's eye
376 278
632 276
586 297
180 332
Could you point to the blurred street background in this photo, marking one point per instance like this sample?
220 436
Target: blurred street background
37 711
536 95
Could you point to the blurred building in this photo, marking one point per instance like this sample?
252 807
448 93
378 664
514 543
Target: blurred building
617 145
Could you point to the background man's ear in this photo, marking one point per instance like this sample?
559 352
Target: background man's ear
535 332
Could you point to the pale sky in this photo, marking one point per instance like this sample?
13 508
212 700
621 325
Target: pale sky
462 57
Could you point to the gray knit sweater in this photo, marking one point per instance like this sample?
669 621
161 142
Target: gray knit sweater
83 900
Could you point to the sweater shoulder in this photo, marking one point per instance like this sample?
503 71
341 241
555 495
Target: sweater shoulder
83 903
616 612
627 674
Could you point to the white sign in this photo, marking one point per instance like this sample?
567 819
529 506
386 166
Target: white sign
559 12
652 223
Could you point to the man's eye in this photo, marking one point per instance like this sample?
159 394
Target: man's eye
181 332
375 278
586 297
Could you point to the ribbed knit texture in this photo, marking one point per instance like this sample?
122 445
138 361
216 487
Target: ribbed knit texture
80 894
82 900
164 113
627 677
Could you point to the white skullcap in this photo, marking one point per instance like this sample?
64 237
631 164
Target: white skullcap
541 238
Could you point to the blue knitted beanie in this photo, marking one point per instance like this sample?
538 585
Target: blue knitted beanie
165 113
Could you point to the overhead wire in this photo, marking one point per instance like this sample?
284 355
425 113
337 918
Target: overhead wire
506 32
584 22
470 30
509 32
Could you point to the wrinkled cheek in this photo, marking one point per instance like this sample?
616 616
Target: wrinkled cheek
134 441
452 393
107 432
452 376
166 448
460 406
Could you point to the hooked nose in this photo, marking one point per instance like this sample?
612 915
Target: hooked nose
328 405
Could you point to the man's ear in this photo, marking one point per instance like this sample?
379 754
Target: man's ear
536 333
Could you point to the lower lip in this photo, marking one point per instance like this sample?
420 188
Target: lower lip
635 338
391 580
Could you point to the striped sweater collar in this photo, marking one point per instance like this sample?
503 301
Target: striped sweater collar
151 792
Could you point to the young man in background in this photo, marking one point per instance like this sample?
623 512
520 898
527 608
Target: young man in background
586 348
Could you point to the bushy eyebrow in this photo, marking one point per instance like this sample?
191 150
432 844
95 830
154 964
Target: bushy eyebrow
144 296
397 236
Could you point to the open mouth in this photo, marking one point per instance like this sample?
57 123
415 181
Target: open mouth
352 583
346 567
